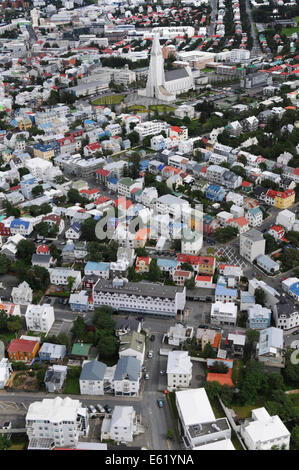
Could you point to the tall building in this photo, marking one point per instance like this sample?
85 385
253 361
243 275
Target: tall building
164 85
252 244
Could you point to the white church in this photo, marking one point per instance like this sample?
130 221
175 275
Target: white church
164 85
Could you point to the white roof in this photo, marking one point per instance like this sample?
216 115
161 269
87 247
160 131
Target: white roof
179 362
122 416
195 406
265 427
224 444
54 410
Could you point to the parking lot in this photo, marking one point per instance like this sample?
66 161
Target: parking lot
59 326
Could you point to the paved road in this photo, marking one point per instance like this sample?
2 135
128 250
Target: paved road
256 48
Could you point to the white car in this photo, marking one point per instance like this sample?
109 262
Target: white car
7 425
150 354
146 377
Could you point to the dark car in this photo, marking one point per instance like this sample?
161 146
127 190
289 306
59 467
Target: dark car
108 408
152 338
160 403
295 332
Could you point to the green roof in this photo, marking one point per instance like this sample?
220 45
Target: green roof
132 340
81 349
126 181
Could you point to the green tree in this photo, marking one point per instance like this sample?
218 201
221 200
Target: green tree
88 230
170 434
14 323
79 329
70 282
102 319
3 320
208 351
259 296
25 250
154 273
37 190
5 264
107 345
5 443
213 389
74 196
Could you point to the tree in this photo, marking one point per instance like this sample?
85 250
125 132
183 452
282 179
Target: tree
154 273
3 320
37 277
63 338
134 138
79 329
70 283
295 438
25 249
208 351
88 230
5 443
102 319
107 345
251 382
5 264
213 389
259 296
74 196
37 190
14 323
170 434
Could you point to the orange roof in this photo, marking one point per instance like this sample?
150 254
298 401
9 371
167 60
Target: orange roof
142 233
217 340
222 379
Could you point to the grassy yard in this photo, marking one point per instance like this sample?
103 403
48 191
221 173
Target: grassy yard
217 408
72 386
19 442
244 412
289 31
137 107
109 99
161 108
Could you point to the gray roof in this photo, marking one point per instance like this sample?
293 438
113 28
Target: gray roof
45 259
141 288
126 323
127 368
285 307
175 74
253 235
93 370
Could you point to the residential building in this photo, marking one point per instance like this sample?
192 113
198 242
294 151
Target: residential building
59 276
225 294
5 372
252 244
286 218
79 301
224 313
126 325
267 264
22 350
178 334
52 352
141 297
62 419
270 349
265 432
127 376
259 317
54 378
179 370
199 425
39 318
215 193
133 345
286 312
121 426
254 217
92 378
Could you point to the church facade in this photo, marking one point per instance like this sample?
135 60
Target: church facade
164 85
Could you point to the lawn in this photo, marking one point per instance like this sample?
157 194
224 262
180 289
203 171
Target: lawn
161 108
109 99
217 408
289 31
244 412
19 442
137 107
72 386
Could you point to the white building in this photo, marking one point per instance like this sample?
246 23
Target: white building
264 432
179 370
92 378
179 333
22 294
63 420
5 372
38 167
224 313
199 425
150 128
127 377
59 276
270 347
132 345
140 297
39 318
286 218
252 244
121 426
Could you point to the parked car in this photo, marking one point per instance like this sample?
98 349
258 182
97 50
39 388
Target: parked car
92 409
108 409
160 403
295 332
152 338
147 376
162 372
100 408
150 354
7 425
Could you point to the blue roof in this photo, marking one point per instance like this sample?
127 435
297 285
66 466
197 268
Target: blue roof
167 263
112 180
254 210
221 290
295 288
93 266
19 223
76 227
160 167
266 261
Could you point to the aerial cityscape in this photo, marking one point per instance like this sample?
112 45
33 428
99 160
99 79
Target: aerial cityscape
149 226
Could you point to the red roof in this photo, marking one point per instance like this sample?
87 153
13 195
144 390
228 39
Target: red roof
42 249
102 199
246 184
102 172
176 129
23 345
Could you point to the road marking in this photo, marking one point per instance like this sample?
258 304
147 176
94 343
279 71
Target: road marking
168 445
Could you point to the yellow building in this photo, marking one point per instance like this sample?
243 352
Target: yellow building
284 199
44 151
24 124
